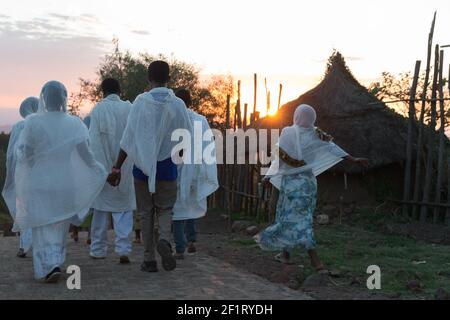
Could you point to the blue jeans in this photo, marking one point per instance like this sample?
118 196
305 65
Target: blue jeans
184 231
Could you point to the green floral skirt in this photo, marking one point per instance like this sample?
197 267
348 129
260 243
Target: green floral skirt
293 225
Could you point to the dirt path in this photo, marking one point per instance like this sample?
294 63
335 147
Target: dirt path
198 277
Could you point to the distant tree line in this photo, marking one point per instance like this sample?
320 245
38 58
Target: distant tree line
209 97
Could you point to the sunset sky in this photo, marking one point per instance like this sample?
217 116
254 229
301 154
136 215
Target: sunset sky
285 41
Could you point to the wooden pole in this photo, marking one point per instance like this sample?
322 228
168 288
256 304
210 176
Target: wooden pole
279 97
268 104
238 107
417 177
226 182
447 214
442 138
430 141
245 115
411 122
255 91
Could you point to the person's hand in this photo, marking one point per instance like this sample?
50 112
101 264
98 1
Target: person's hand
114 178
362 161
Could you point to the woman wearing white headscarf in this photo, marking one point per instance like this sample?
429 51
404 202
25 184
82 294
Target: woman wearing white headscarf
303 155
27 107
57 179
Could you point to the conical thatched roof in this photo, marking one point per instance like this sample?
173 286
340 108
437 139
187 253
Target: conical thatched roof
344 111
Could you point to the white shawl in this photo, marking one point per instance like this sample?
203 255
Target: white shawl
27 107
108 120
301 142
155 115
204 179
57 177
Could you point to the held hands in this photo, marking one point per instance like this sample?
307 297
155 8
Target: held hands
114 177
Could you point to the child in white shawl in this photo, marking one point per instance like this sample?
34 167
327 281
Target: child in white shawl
57 179
27 108
303 155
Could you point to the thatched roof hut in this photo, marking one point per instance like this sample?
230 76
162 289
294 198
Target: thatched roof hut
344 110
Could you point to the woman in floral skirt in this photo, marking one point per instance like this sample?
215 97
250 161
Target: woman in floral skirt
304 152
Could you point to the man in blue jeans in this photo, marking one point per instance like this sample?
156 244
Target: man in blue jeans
147 140
204 182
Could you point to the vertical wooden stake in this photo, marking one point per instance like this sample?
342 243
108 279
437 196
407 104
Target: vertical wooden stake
279 97
417 177
430 141
226 175
411 121
442 139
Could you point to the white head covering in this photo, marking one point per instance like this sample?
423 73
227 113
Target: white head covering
305 116
29 106
56 175
301 142
53 97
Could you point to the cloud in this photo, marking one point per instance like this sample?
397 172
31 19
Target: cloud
141 32
35 51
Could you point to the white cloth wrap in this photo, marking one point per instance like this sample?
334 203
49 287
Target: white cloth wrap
27 108
204 175
108 120
154 116
9 189
56 176
303 143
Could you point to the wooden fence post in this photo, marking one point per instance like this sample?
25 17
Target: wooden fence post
417 177
430 141
411 122
442 138
279 97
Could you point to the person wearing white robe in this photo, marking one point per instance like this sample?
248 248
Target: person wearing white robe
28 107
57 179
302 155
147 141
204 182
107 123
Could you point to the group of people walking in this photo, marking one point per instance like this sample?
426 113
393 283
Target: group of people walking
122 162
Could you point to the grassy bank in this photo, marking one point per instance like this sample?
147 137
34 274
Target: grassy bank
410 269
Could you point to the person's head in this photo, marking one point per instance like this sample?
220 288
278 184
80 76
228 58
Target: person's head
305 116
28 106
185 95
110 86
54 97
158 73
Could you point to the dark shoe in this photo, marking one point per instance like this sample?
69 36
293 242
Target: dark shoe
21 253
191 249
97 258
149 266
165 251
53 276
124 260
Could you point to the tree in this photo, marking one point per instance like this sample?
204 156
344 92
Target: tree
397 87
131 71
